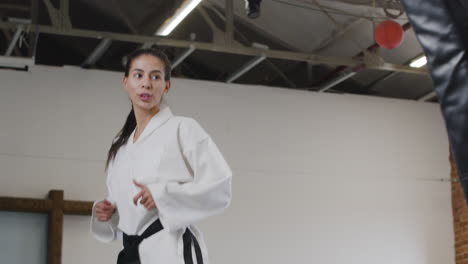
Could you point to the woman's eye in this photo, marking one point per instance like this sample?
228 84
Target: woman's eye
155 77
137 75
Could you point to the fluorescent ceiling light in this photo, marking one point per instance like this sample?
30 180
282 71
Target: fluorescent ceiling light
419 62
179 15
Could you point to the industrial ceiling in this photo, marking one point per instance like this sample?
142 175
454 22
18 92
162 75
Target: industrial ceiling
318 46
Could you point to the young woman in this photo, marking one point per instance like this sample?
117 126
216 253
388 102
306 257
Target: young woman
164 173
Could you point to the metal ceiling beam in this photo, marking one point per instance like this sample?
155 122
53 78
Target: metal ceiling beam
371 86
342 77
59 18
64 7
34 36
229 22
427 96
388 76
15 39
218 34
216 30
283 76
97 53
16 7
34 12
245 68
335 81
351 71
207 19
9 38
162 41
183 56
214 7
370 3
336 34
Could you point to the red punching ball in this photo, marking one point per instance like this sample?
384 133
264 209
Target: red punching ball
389 34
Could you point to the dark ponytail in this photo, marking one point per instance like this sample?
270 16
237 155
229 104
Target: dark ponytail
130 124
122 137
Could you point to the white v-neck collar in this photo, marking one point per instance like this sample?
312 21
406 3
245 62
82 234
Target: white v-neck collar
156 121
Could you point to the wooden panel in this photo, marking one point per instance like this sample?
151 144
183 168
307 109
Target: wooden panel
55 234
77 207
25 205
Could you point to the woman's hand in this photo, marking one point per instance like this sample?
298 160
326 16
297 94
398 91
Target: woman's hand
104 210
145 195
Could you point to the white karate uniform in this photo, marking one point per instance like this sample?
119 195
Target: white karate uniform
188 179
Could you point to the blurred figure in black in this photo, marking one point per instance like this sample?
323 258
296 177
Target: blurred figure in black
441 27
253 8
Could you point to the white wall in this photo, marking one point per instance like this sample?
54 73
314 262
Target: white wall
318 178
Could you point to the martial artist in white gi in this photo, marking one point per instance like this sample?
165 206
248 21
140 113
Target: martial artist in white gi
164 173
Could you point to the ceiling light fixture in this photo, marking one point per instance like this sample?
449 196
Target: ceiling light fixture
171 23
418 62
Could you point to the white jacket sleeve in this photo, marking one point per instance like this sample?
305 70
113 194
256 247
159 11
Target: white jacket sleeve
181 204
105 231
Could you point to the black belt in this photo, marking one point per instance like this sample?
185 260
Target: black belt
129 254
188 239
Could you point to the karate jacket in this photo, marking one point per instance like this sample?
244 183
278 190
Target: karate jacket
188 178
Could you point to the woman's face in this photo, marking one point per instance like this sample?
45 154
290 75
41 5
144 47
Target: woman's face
145 82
